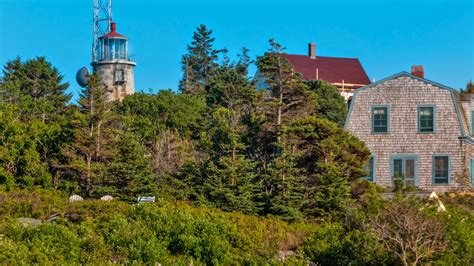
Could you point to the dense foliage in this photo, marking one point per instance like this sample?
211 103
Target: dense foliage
219 144
96 232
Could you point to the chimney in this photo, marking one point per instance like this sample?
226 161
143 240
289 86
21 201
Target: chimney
312 50
113 27
418 71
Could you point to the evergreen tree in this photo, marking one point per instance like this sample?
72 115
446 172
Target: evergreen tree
168 123
330 103
329 158
287 97
228 177
37 86
129 173
199 63
21 163
283 188
33 100
93 143
228 183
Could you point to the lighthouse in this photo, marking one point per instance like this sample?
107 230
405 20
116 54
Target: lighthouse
113 65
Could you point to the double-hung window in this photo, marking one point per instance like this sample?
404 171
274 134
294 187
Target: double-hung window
426 119
441 169
380 119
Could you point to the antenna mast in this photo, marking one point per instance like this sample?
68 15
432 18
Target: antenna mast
102 20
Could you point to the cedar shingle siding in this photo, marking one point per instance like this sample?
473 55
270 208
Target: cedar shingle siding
403 94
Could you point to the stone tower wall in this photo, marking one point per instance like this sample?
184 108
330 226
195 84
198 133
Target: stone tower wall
116 90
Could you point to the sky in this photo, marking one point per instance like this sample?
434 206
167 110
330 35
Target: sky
386 36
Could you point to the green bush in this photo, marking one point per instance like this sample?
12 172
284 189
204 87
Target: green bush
95 232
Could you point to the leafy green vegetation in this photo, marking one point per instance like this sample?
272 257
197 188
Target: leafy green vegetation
100 232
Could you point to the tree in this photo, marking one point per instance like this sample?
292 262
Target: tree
35 121
287 97
168 124
330 104
329 158
35 85
94 142
283 188
228 178
130 172
21 163
407 231
200 62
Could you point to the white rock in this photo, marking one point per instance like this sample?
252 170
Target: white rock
74 198
107 198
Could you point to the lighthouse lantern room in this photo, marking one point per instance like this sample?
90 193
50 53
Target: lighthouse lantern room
113 64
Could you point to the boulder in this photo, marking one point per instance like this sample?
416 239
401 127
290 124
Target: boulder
75 198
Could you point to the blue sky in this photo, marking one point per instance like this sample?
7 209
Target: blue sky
387 36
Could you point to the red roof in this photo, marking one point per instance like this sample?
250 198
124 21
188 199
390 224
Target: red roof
113 32
330 69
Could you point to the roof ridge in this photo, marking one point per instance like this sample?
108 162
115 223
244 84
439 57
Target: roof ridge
323 56
404 73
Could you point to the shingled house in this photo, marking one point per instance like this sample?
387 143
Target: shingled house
417 130
347 74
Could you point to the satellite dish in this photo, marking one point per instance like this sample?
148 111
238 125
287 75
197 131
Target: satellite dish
82 76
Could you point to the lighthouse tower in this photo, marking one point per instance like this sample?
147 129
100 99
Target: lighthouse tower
113 64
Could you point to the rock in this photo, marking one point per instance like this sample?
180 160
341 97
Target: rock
107 198
29 221
282 255
75 198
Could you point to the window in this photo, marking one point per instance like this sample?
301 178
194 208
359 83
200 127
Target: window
471 168
472 122
370 168
380 119
404 168
440 169
426 119
119 76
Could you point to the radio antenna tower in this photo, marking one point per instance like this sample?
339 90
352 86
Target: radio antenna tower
102 21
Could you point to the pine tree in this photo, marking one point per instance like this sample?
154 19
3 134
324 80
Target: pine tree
199 64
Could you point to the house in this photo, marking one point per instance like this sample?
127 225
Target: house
417 130
347 74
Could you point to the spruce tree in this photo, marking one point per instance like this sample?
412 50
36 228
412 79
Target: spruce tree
228 178
284 187
129 173
94 142
199 64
